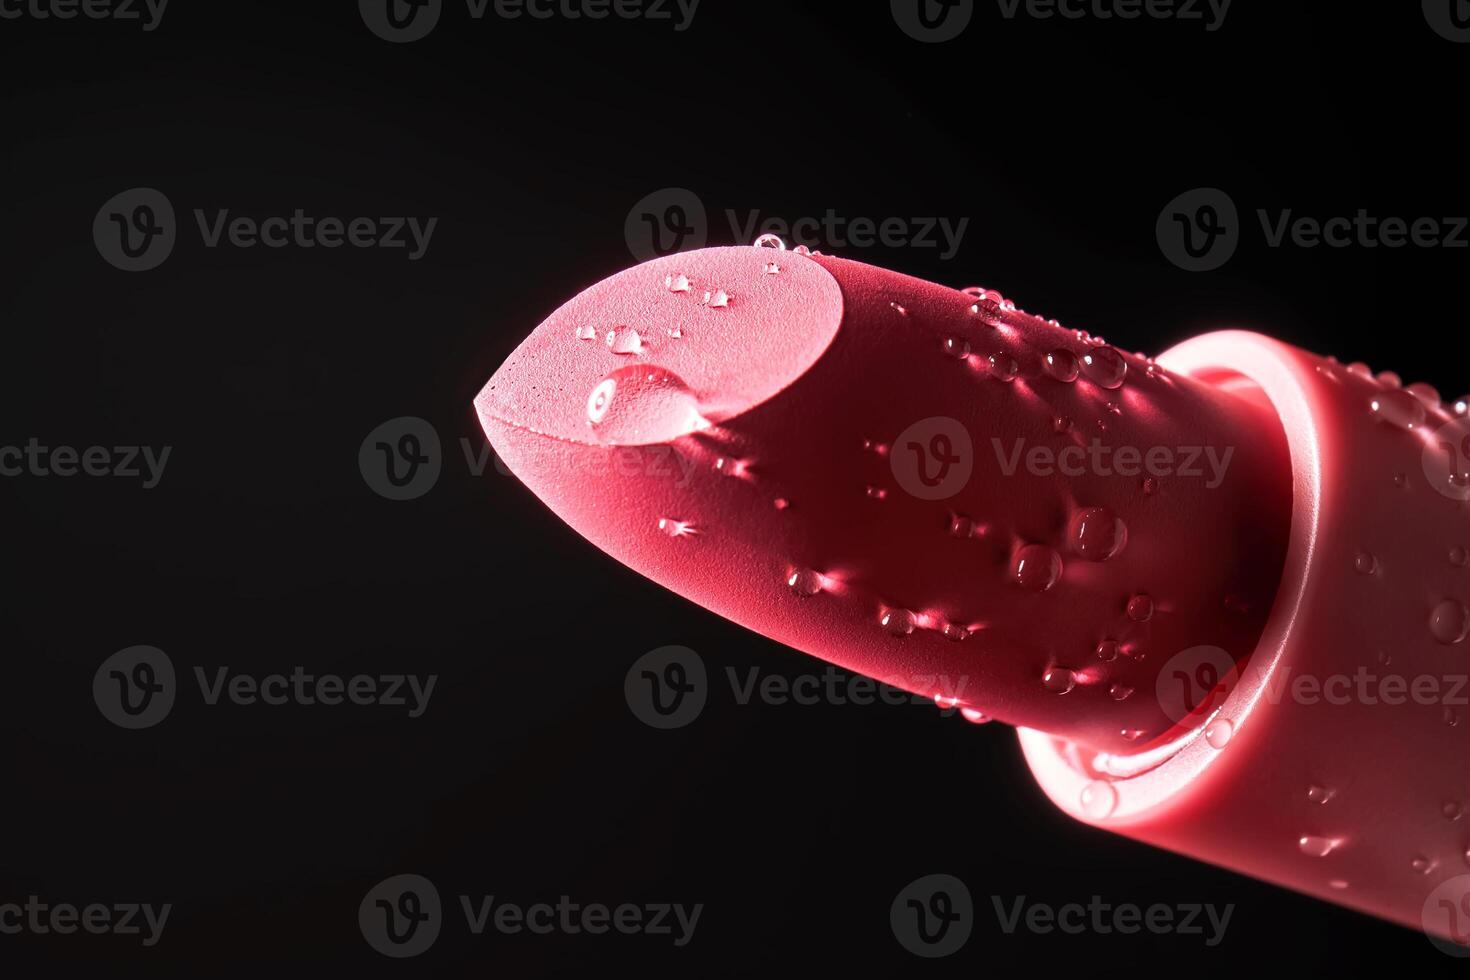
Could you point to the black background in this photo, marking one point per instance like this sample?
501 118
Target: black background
528 777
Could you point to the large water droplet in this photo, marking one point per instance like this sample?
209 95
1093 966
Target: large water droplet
1141 607
1098 799
1120 692
1058 680
1427 394
955 632
1003 367
899 622
804 582
1105 367
769 240
624 340
1397 408
1036 567
957 347
1219 732
1313 845
1062 365
1097 534
1449 621
1107 651
641 405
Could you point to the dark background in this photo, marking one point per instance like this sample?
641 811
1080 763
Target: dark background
528 777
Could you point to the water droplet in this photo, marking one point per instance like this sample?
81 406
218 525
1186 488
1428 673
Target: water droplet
717 299
1365 564
1131 734
587 333
988 309
804 581
1219 732
955 632
961 526
1400 480
1390 379
1422 864
1360 369
1453 810
1459 557
1319 794
624 340
1120 692
676 529
1141 607
772 269
1107 651
1105 367
875 447
1150 486
1062 365
898 308
801 250
640 405
1098 799
1061 423
1097 534
974 717
899 622
677 284
876 493
1451 717
1427 394
1003 367
1036 567
1449 621
675 332
1338 883
780 503
1314 846
1461 407
769 240
1384 658
1397 408
957 347
1058 680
